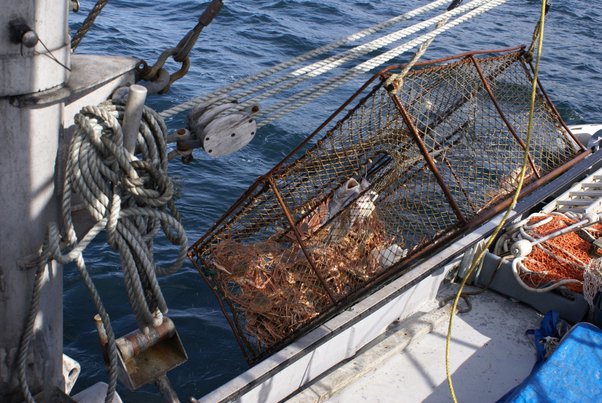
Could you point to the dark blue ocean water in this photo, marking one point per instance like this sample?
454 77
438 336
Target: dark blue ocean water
248 36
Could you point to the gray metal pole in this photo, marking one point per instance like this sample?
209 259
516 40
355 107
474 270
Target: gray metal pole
28 156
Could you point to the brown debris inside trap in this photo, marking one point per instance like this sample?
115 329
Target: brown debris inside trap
273 284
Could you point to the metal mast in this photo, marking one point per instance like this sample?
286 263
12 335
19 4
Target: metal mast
28 156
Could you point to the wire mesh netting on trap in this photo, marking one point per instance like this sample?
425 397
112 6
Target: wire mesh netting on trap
391 180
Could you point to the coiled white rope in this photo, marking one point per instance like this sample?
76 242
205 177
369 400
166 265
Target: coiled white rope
523 231
129 197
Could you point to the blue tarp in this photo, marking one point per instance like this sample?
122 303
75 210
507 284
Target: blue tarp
573 373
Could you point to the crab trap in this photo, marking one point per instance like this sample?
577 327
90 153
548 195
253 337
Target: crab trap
360 200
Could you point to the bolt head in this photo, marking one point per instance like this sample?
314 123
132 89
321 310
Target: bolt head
29 39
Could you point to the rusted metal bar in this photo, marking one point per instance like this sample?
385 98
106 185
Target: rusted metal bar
227 214
465 99
503 116
454 57
327 121
136 342
453 231
548 102
295 230
382 75
498 208
416 134
406 264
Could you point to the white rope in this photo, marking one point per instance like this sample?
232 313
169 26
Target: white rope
316 69
395 82
130 198
276 85
521 230
302 58
518 267
132 194
301 98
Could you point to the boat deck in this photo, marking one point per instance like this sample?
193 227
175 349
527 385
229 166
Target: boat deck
490 354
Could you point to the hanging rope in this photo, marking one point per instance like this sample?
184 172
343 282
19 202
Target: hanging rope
87 24
499 227
537 31
131 198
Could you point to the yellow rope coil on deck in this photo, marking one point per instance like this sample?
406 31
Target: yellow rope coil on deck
481 255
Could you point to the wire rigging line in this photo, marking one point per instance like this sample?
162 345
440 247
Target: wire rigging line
87 24
303 74
313 70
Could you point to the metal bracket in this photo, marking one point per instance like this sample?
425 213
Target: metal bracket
146 357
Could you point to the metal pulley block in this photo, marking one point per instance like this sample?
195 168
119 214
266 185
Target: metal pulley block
222 127
146 357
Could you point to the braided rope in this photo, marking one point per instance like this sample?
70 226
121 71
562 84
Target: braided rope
87 24
300 59
395 82
592 281
301 98
315 69
262 91
131 199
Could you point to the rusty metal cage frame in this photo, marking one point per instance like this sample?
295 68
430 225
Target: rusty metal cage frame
272 183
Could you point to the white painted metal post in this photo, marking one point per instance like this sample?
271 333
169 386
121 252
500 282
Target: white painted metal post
27 187
133 113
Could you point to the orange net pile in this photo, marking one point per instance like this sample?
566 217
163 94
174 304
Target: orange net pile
560 258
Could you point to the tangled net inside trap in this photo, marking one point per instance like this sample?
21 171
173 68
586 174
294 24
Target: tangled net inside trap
397 175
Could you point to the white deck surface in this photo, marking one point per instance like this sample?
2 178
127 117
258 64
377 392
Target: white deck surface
490 354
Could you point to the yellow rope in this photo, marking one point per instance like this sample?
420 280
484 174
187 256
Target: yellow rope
481 255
